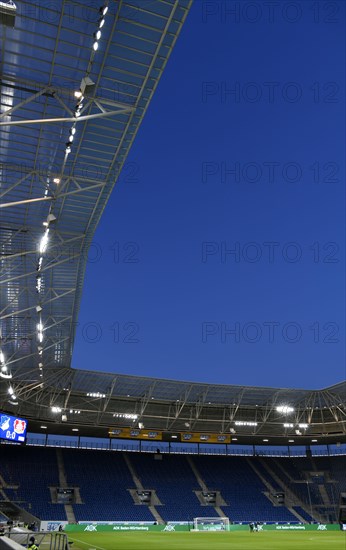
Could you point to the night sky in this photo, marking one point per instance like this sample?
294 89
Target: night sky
220 255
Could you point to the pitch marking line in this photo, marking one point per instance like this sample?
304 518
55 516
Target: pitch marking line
87 544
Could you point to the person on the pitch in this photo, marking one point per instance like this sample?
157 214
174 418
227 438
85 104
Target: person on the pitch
32 544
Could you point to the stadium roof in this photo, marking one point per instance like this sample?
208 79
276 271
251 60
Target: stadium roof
97 402
76 79
75 82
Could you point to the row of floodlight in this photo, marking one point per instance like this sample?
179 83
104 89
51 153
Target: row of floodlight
127 416
42 248
43 244
86 81
267 440
303 425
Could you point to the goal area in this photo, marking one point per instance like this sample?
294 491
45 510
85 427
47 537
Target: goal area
211 524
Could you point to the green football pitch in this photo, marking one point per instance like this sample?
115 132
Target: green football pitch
209 541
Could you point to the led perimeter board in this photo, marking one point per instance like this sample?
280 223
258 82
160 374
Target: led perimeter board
12 428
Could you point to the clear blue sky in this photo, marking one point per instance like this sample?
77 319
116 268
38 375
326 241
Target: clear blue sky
242 149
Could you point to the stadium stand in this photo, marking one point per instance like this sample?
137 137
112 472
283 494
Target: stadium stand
34 470
105 480
175 483
303 514
337 467
316 482
267 476
241 488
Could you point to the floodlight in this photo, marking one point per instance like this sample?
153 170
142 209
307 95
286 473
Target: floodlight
44 242
244 423
127 416
13 400
5 374
51 218
8 12
285 409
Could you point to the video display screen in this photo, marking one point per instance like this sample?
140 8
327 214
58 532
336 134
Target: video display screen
12 428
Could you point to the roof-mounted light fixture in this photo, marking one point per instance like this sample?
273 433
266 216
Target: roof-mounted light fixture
13 398
104 9
285 409
245 423
4 370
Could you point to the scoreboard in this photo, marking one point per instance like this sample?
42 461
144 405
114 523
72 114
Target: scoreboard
12 428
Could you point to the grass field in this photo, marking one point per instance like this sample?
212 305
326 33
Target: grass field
210 541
